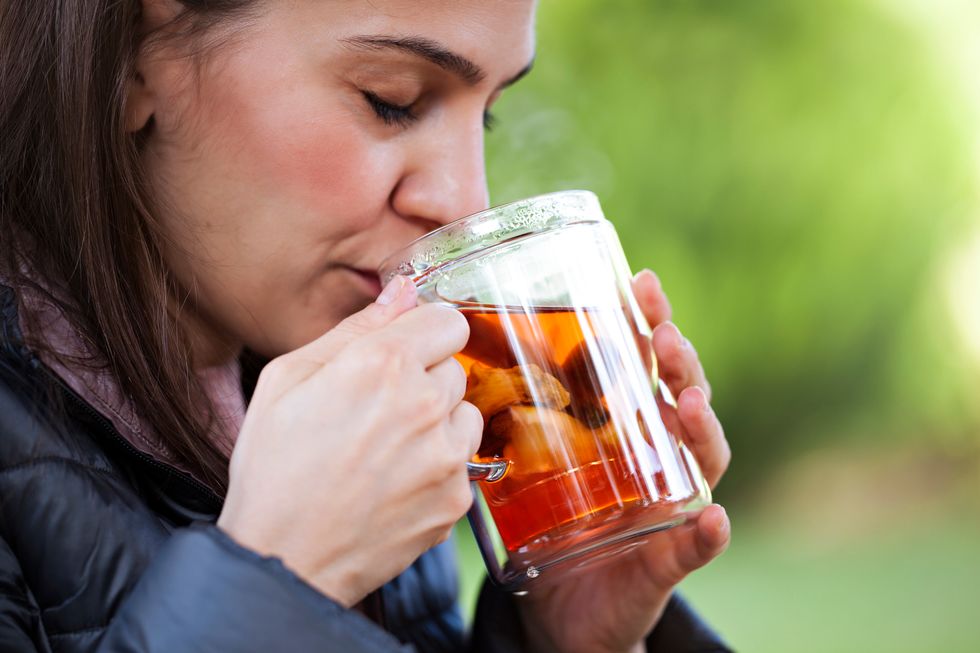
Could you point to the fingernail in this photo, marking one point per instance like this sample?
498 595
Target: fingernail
705 404
682 341
702 399
645 272
391 291
725 529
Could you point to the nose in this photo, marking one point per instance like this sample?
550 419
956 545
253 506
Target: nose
445 176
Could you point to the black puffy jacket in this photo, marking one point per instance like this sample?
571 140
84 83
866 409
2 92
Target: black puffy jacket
103 548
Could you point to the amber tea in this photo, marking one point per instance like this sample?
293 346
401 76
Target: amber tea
579 443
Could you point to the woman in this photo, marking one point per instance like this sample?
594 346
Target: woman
187 185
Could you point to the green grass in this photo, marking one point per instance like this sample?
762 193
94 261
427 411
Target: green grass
909 586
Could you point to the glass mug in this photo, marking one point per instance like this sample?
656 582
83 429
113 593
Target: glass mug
580 456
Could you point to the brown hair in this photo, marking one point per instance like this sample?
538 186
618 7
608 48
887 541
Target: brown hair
71 186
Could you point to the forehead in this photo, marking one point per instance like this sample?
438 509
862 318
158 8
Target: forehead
498 35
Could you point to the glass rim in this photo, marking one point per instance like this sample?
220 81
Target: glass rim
493 225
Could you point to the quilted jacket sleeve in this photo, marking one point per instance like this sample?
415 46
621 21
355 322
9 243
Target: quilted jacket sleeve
203 593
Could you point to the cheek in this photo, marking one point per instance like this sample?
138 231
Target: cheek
316 160
272 176
306 183
305 149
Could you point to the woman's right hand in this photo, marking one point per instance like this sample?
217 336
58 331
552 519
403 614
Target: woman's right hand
351 460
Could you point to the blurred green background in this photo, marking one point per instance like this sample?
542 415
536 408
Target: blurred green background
805 179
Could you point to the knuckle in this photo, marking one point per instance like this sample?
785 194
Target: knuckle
430 406
383 357
459 378
450 379
471 427
275 371
471 414
464 431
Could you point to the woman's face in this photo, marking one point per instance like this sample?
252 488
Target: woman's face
315 140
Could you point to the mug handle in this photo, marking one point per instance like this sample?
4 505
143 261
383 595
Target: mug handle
490 472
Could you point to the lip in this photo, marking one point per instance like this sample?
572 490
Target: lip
370 280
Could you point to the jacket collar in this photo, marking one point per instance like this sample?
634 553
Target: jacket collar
84 372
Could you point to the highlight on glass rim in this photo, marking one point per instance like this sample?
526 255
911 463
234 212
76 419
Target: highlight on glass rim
458 326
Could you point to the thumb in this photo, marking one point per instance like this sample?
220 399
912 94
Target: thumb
397 297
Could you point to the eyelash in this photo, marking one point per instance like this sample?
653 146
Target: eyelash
489 120
390 114
402 115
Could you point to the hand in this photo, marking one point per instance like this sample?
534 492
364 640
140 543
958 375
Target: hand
352 458
614 607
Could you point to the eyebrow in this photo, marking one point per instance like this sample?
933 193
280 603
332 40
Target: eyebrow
431 51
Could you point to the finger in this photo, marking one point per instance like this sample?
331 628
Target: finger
651 297
704 434
397 297
678 361
466 424
431 333
450 378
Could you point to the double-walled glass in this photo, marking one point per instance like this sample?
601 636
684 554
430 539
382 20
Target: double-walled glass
580 456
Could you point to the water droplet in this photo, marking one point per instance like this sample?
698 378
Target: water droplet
533 572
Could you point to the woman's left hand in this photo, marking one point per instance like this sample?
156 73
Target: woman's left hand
614 607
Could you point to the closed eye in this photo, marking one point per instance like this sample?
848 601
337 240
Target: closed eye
403 115
390 113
